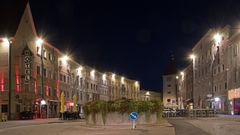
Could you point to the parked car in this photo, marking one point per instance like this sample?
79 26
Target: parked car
26 115
169 112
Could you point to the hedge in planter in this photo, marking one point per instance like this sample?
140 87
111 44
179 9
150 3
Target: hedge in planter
122 106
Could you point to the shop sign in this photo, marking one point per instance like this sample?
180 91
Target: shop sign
233 93
27 59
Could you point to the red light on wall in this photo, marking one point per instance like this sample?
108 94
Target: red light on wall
35 87
2 81
17 79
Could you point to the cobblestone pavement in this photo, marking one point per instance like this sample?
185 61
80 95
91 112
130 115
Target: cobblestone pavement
58 127
221 125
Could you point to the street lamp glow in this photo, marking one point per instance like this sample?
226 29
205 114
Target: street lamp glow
192 56
217 38
216 99
43 102
65 59
122 80
113 77
177 77
39 42
104 77
182 73
136 84
5 42
148 93
92 73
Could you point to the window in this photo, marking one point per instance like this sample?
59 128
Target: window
38 70
61 77
168 100
169 92
81 96
45 54
45 72
38 51
81 81
51 57
4 108
49 91
64 78
169 85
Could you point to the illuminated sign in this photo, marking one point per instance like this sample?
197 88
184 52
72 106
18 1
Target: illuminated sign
27 58
234 93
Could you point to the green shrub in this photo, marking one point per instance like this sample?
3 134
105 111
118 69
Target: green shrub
123 106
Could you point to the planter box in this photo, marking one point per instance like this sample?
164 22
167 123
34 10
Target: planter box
121 119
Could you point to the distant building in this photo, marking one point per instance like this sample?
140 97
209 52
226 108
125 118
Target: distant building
170 84
146 95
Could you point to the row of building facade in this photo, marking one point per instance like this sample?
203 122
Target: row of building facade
38 71
212 78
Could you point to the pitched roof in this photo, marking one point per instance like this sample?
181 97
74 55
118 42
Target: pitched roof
11 12
171 67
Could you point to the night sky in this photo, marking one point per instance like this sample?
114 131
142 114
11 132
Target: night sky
130 38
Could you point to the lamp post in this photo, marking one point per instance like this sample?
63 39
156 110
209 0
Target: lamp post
8 42
217 39
39 42
192 57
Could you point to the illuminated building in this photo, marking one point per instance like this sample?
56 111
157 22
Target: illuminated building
41 71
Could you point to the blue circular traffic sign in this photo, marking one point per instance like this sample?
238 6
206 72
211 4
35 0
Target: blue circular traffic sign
133 115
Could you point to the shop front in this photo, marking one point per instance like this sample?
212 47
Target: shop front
234 101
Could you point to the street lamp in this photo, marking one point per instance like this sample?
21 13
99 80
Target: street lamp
39 42
8 43
193 57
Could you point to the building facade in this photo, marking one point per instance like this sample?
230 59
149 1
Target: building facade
170 85
215 77
39 71
147 95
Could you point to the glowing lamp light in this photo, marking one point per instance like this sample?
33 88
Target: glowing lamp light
104 77
182 73
71 104
148 93
39 42
79 70
192 56
216 99
92 73
113 77
65 59
5 42
217 38
177 77
232 113
122 80
43 102
136 84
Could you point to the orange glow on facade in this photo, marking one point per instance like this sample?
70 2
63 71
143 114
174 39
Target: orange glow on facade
47 90
17 79
234 93
57 88
2 81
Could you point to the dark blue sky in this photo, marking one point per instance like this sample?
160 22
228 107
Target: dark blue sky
131 38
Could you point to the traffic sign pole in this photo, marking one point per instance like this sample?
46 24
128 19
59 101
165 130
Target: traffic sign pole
133 116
